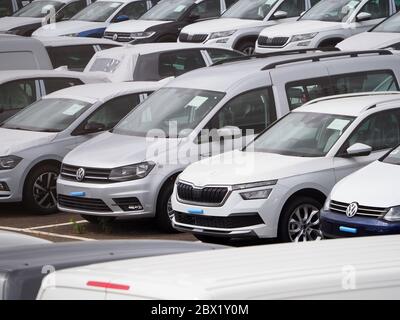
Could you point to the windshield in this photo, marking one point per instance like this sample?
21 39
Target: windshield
99 11
303 134
168 10
48 115
393 157
39 9
332 10
391 24
170 110
250 9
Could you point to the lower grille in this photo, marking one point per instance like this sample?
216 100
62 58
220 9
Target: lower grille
196 38
272 42
118 36
85 204
90 174
206 195
341 207
231 222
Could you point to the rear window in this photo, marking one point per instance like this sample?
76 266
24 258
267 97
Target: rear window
74 57
17 60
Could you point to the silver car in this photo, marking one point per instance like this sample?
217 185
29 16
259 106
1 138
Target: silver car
35 140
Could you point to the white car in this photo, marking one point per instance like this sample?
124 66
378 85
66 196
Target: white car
93 20
325 25
276 185
385 35
239 26
364 268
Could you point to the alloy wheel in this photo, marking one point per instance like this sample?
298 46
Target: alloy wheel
248 51
304 224
44 190
170 211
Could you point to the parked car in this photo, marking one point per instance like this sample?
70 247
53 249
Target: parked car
8 7
12 239
132 174
385 35
18 53
22 269
290 170
239 26
152 62
325 25
164 22
36 139
355 209
20 88
93 20
40 12
345 269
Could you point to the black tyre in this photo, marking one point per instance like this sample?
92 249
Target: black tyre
247 47
167 39
164 209
97 219
40 190
329 43
300 220
211 239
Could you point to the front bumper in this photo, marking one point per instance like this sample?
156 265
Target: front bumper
298 45
337 225
13 179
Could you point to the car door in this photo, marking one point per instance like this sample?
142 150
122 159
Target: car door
16 95
381 131
292 8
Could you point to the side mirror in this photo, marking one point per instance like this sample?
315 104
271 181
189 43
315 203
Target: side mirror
121 18
280 15
359 150
93 127
229 132
363 16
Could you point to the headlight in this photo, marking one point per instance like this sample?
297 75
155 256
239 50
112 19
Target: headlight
131 172
9 162
254 185
142 35
254 195
393 214
327 203
222 34
305 36
71 35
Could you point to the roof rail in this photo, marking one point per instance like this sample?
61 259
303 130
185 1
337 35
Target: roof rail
350 54
273 54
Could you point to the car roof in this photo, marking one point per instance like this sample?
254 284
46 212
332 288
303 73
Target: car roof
9 75
12 239
104 91
123 1
268 271
63 1
65 41
349 104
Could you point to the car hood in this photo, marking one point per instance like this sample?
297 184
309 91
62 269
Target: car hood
244 167
375 185
300 27
13 141
67 27
369 41
8 23
222 24
110 150
134 25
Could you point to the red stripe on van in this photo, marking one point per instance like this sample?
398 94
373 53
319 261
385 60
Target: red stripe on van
107 285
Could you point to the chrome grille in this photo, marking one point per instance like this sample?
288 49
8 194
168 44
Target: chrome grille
272 42
196 38
91 174
341 207
121 36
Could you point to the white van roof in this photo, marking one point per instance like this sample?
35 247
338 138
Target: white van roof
347 268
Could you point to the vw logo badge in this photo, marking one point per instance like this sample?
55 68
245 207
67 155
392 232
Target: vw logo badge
115 37
80 174
352 209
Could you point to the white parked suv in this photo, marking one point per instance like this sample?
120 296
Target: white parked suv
240 25
275 186
325 25
127 172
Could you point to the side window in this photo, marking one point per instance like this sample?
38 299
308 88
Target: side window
175 63
377 8
300 92
70 10
207 9
55 84
106 46
397 3
134 10
6 8
111 112
154 2
229 3
314 2
74 57
17 94
253 110
219 54
293 7
380 131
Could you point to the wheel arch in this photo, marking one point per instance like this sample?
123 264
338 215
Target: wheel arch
331 39
36 165
170 178
245 38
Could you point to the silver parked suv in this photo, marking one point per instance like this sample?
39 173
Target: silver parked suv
129 172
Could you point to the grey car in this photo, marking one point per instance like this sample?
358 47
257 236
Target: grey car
10 239
36 139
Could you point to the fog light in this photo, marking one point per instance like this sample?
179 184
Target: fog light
129 204
222 40
4 186
304 44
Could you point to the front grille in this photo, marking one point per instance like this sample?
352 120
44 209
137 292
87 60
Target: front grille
206 195
91 174
272 42
85 204
231 222
341 207
129 204
121 36
197 38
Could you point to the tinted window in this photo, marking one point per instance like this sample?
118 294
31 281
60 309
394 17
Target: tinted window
229 3
70 10
206 9
55 84
39 9
219 54
133 10
377 8
175 63
314 2
293 7
74 57
17 94
6 8
106 46
300 92
17 60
